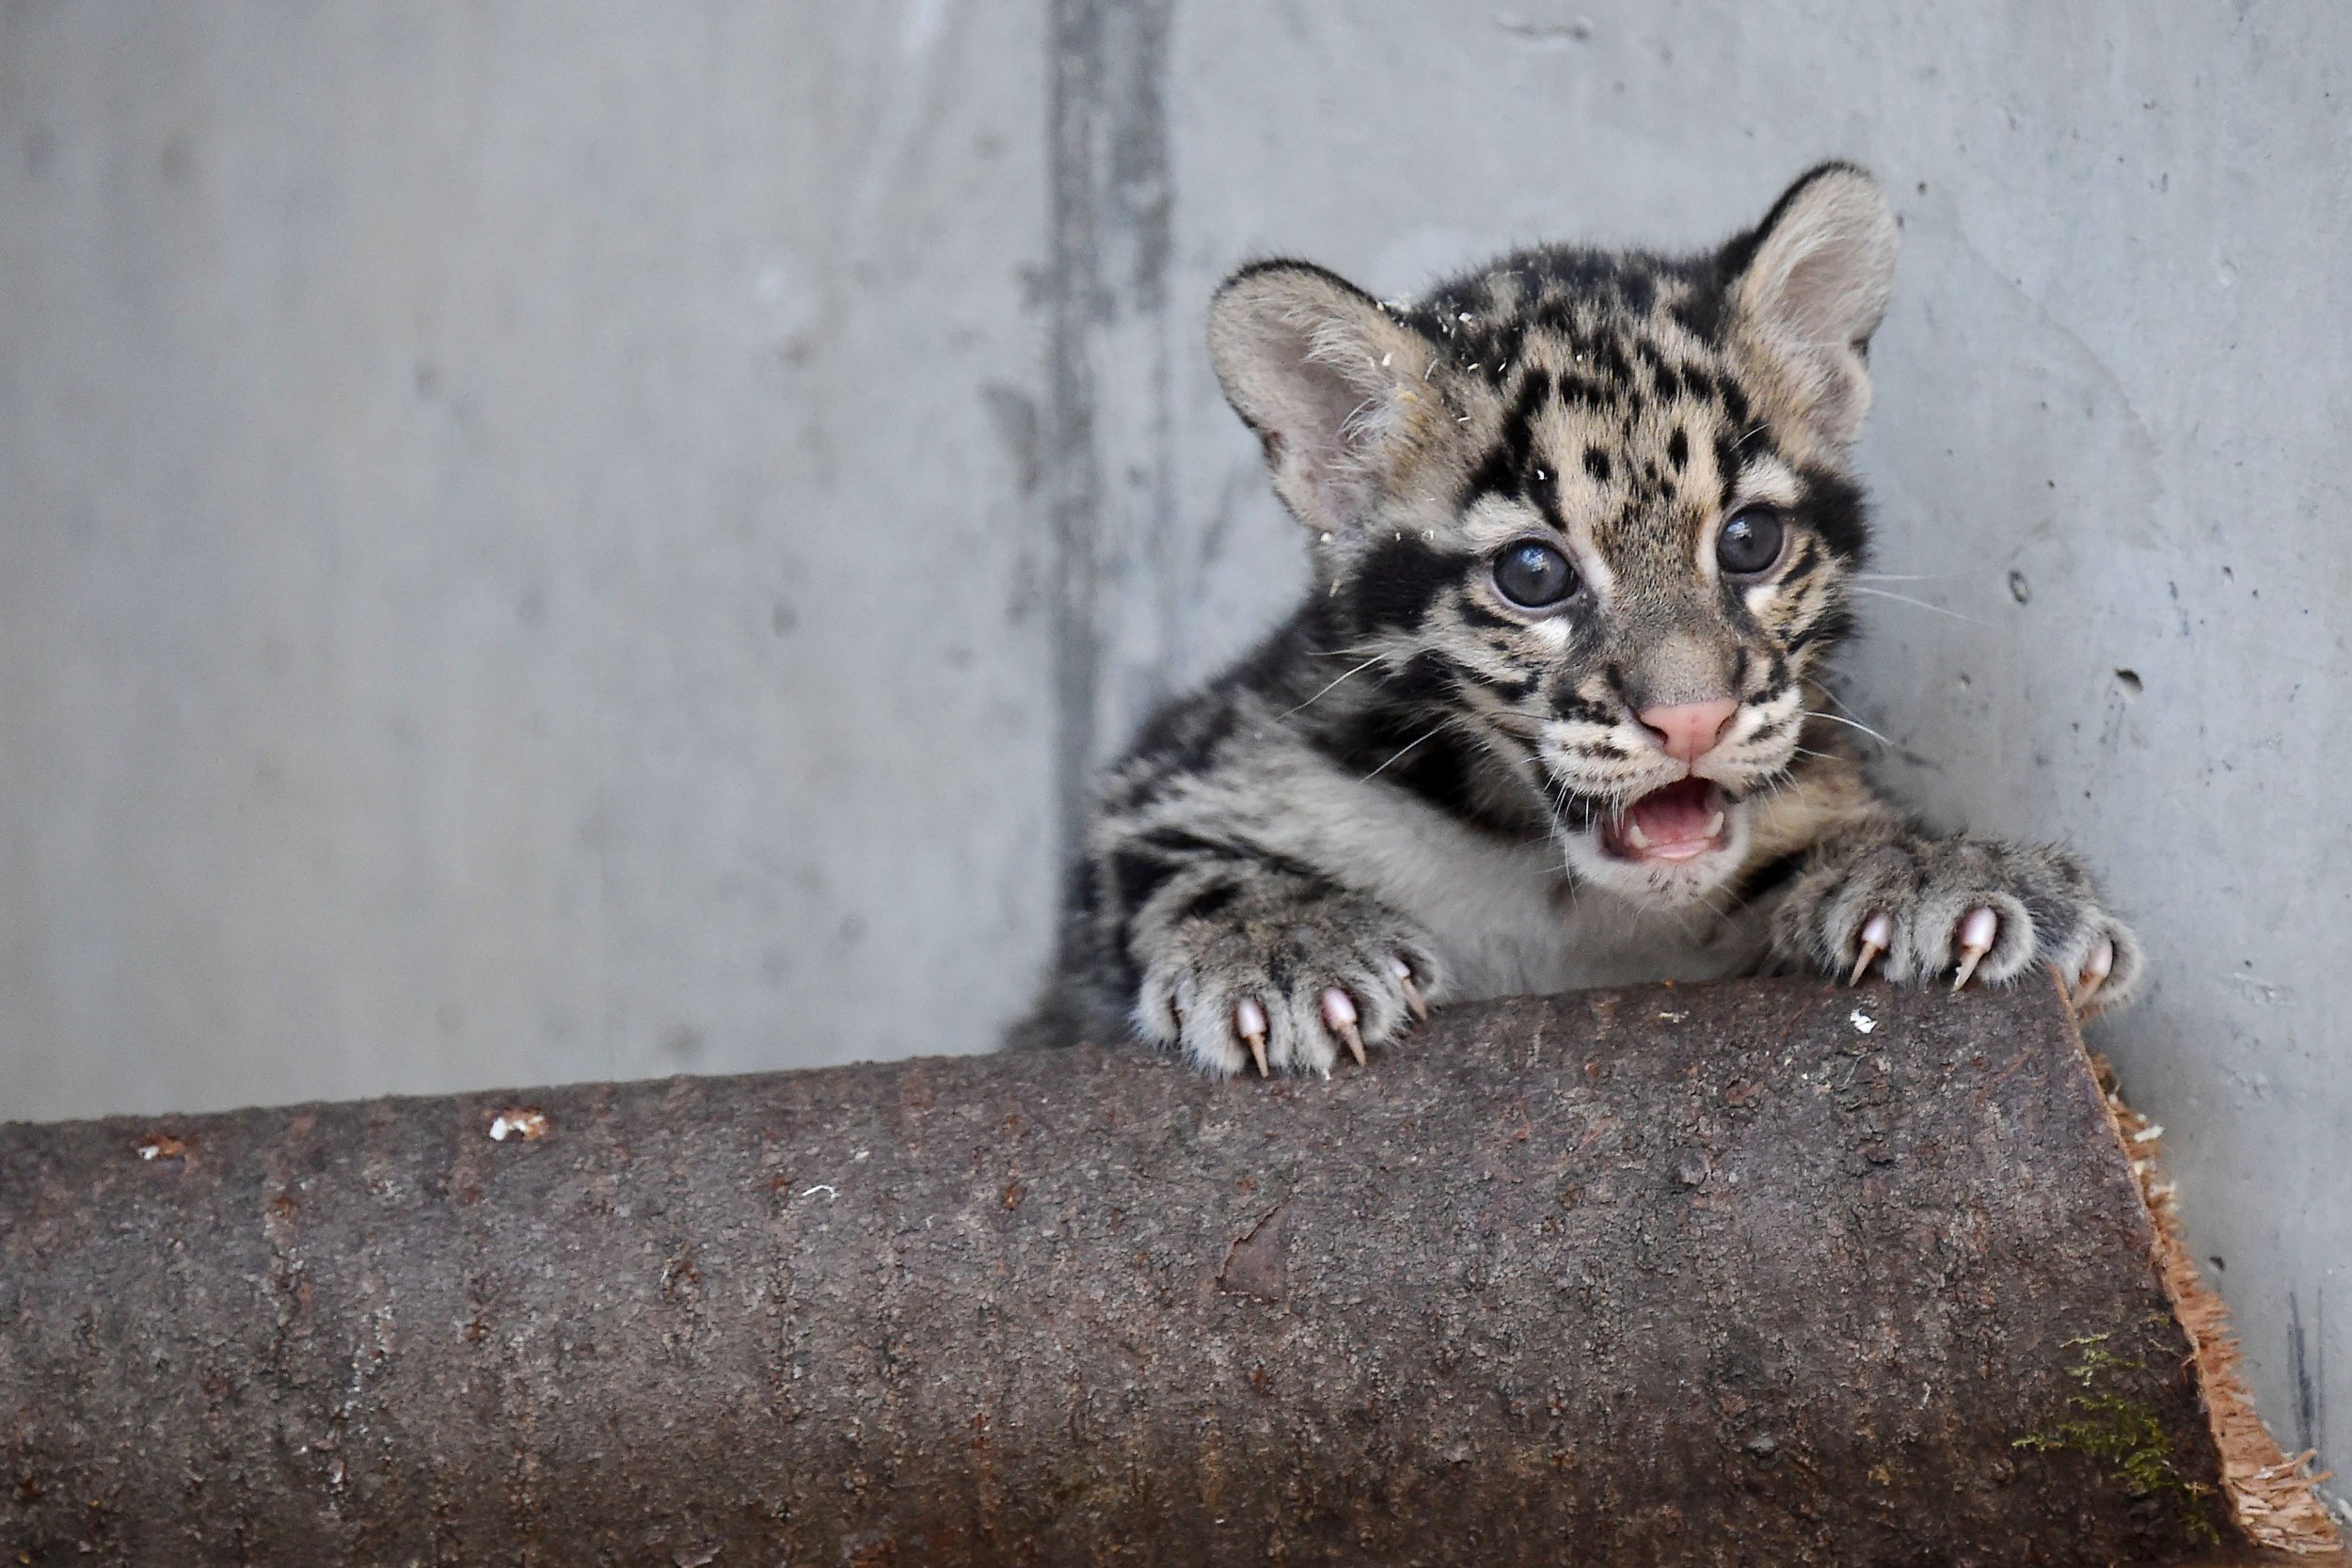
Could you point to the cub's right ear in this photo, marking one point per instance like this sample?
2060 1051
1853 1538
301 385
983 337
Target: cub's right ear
1333 383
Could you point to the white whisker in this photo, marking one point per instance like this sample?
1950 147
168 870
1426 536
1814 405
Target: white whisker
1401 750
1328 688
1843 705
1905 598
1850 723
1722 911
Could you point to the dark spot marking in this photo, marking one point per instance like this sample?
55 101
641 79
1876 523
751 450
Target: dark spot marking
1568 704
1134 877
2056 922
1726 465
1581 391
1834 627
1734 401
1213 899
1677 449
1663 376
1596 464
1428 677
1505 468
1399 582
1178 841
1512 687
1402 746
1184 737
1771 876
1479 616
1833 508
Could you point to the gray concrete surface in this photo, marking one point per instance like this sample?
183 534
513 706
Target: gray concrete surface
548 542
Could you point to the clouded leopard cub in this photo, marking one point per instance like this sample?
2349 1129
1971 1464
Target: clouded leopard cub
1583 527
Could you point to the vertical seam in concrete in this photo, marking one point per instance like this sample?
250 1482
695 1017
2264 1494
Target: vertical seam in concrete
1074 77
2308 1370
1109 200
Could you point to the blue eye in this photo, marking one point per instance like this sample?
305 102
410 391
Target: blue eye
1533 575
1750 542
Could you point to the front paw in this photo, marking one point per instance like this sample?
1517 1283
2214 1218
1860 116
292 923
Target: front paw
1285 978
1968 908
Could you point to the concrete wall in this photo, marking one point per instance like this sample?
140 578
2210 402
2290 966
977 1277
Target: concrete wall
546 542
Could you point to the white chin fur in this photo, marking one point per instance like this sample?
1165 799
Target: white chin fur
1660 884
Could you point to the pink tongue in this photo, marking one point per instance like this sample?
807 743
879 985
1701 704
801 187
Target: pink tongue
1678 814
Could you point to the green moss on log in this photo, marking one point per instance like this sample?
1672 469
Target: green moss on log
2124 1434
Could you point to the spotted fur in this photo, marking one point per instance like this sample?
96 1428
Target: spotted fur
1417 774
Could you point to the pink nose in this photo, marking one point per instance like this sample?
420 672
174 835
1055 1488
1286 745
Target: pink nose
1688 731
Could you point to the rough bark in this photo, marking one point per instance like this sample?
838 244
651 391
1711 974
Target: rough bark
1764 1273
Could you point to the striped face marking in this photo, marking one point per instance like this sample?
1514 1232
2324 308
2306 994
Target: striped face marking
1596 425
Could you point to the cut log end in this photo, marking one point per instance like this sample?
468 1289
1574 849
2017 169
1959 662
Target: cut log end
2273 1495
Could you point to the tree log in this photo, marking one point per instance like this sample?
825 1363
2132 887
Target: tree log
1769 1273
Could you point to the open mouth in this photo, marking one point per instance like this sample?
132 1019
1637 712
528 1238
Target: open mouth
1679 822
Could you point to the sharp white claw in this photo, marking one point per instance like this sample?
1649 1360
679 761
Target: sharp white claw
1403 973
1249 1024
1978 934
1339 1011
1876 937
2097 969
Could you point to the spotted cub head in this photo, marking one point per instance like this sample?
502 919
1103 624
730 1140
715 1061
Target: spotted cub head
1589 516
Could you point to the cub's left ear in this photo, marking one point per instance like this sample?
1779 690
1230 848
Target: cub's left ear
1813 285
